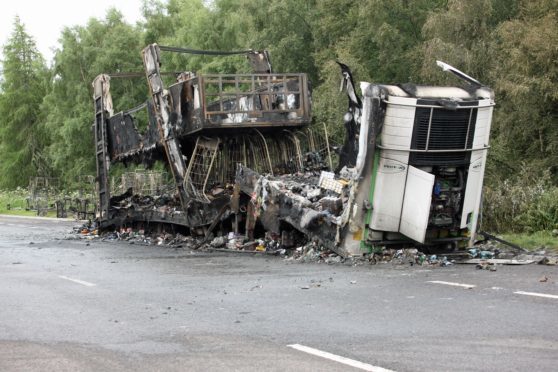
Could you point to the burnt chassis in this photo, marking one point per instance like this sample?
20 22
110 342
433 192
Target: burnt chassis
194 125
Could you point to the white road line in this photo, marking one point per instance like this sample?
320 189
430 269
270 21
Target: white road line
339 359
536 294
82 282
452 283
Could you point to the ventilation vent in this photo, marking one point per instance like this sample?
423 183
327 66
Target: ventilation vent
449 130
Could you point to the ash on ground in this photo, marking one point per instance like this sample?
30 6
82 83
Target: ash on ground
485 254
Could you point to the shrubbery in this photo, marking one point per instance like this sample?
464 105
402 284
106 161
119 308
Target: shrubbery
524 204
14 199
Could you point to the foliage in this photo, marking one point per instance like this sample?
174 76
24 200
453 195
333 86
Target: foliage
538 240
523 204
15 202
22 88
108 45
16 199
525 78
509 45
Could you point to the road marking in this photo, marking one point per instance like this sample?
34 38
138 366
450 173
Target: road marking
468 286
339 359
536 294
82 282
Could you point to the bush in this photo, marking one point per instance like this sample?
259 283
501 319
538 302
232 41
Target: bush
15 199
524 204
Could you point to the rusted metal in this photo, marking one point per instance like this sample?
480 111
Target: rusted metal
103 109
152 63
200 167
202 127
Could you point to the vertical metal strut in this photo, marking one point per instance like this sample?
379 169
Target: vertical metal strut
152 64
103 108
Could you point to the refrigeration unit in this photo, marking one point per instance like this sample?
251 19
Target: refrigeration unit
424 151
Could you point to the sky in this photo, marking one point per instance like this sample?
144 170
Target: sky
45 19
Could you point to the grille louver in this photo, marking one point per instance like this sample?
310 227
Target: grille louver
448 131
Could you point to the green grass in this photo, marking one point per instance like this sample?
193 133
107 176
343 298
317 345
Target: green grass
18 212
17 199
534 241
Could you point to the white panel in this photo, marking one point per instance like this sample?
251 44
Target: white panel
485 103
402 100
402 112
416 204
482 128
473 187
399 142
401 156
388 195
394 124
483 113
392 130
488 123
398 126
478 141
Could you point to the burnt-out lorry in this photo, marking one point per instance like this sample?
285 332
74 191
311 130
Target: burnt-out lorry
246 160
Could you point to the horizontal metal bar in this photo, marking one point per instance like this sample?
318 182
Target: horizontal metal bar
432 151
249 124
275 75
255 112
127 75
203 52
435 106
241 94
135 109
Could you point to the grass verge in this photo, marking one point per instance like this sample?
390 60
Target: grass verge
534 241
14 202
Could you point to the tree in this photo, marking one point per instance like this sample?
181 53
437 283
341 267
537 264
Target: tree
23 87
525 78
459 34
102 46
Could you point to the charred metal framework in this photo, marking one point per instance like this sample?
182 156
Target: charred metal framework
202 127
241 151
82 203
42 194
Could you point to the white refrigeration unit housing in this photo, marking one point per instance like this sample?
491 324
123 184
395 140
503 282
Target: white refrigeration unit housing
432 148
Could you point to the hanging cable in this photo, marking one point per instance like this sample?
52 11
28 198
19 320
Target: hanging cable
203 52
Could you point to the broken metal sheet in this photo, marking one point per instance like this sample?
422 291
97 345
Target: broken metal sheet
101 89
260 62
496 261
295 201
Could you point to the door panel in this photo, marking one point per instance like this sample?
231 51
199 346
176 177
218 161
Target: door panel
416 204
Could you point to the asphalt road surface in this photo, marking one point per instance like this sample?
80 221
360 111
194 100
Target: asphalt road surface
76 305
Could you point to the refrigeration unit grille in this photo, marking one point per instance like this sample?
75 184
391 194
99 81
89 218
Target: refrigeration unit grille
442 129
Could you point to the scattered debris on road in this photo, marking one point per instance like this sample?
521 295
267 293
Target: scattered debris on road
295 248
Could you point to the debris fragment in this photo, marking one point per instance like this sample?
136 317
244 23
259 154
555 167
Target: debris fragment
486 265
550 261
218 242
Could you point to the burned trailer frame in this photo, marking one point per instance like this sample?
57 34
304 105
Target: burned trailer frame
201 127
412 171
241 148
